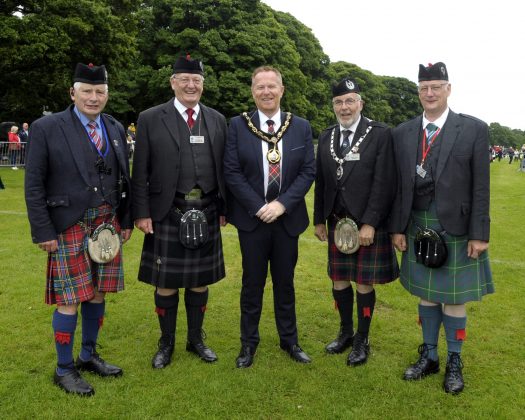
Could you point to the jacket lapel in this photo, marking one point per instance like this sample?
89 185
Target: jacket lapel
210 121
449 135
411 145
115 140
170 120
348 166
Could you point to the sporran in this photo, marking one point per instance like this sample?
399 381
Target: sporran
193 229
104 243
430 248
346 236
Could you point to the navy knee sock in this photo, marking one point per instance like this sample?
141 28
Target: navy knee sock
430 318
92 319
64 330
455 332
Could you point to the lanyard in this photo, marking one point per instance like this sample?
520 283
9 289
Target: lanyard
426 148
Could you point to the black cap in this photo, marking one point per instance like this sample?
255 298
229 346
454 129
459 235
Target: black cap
94 75
188 65
346 85
436 71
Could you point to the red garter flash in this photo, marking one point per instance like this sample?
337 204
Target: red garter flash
419 321
62 337
160 311
100 322
336 306
461 335
204 308
366 312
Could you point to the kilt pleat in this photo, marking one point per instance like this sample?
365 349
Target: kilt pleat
166 263
461 279
373 264
72 276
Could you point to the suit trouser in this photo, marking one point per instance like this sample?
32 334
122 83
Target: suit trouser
268 243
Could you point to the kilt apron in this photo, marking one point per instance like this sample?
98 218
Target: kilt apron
166 263
461 279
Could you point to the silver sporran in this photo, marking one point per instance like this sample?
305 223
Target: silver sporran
346 236
193 229
104 243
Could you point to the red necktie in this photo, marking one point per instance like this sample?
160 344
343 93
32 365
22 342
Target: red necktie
95 138
190 112
274 172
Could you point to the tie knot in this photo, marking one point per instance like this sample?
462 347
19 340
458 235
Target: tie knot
431 127
270 126
346 133
92 125
190 112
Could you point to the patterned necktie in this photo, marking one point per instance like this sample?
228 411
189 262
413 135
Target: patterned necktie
93 135
432 131
190 112
274 172
345 146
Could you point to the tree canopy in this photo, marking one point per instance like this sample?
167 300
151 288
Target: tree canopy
138 41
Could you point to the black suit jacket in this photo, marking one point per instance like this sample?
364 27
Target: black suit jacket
57 186
462 181
243 172
368 185
156 162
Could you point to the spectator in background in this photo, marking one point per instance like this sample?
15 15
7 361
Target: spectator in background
23 134
14 146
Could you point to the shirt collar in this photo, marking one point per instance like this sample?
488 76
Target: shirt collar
353 127
85 120
276 118
439 122
182 109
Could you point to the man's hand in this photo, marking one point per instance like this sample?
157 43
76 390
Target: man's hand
222 221
145 225
270 212
366 235
400 241
476 247
320 232
49 246
125 234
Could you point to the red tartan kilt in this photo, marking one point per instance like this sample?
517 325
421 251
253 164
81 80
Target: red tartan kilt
374 264
72 277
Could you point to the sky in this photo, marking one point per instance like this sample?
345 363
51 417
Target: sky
481 42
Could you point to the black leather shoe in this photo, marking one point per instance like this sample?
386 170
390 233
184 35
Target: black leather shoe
360 351
99 366
73 383
423 367
297 353
453 382
245 357
203 351
163 356
340 344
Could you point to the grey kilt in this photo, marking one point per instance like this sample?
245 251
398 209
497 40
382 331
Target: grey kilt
461 279
167 264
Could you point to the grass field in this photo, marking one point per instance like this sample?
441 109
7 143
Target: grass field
275 387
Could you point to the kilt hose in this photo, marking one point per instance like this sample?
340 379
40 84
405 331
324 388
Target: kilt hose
72 277
461 279
166 263
373 264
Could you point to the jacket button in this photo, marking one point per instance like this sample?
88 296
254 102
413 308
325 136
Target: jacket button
95 189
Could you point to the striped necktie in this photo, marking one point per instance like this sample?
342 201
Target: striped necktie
93 135
432 131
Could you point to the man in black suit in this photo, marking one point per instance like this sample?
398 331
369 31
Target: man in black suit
443 197
269 167
179 205
354 189
76 188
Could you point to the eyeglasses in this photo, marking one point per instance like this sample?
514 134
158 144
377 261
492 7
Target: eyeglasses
186 81
433 88
348 102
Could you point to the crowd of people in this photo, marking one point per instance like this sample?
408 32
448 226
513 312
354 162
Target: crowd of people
421 188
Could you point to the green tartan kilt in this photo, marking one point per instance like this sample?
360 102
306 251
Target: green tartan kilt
461 279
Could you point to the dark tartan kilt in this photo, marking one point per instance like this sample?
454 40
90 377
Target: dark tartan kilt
167 264
373 264
461 279
72 277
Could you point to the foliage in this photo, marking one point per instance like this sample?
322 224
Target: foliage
504 136
275 387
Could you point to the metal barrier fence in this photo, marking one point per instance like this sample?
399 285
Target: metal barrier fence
12 154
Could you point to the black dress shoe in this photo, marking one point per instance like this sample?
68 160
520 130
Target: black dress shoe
203 351
423 367
73 383
297 353
245 357
360 351
340 344
163 356
99 366
453 382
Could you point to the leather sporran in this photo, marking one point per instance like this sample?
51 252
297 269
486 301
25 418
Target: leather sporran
430 248
193 229
346 236
104 243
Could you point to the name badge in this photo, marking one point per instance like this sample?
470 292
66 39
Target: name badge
197 139
420 171
352 156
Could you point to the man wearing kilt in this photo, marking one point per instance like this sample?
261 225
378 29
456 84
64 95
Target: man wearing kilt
443 189
179 205
355 186
77 178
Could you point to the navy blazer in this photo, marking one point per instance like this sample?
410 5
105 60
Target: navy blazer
462 184
243 173
57 186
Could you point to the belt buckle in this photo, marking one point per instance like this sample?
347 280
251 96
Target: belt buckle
194 194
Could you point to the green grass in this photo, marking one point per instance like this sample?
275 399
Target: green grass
275 387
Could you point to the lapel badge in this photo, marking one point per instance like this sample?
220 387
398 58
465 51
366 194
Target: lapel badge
115 142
